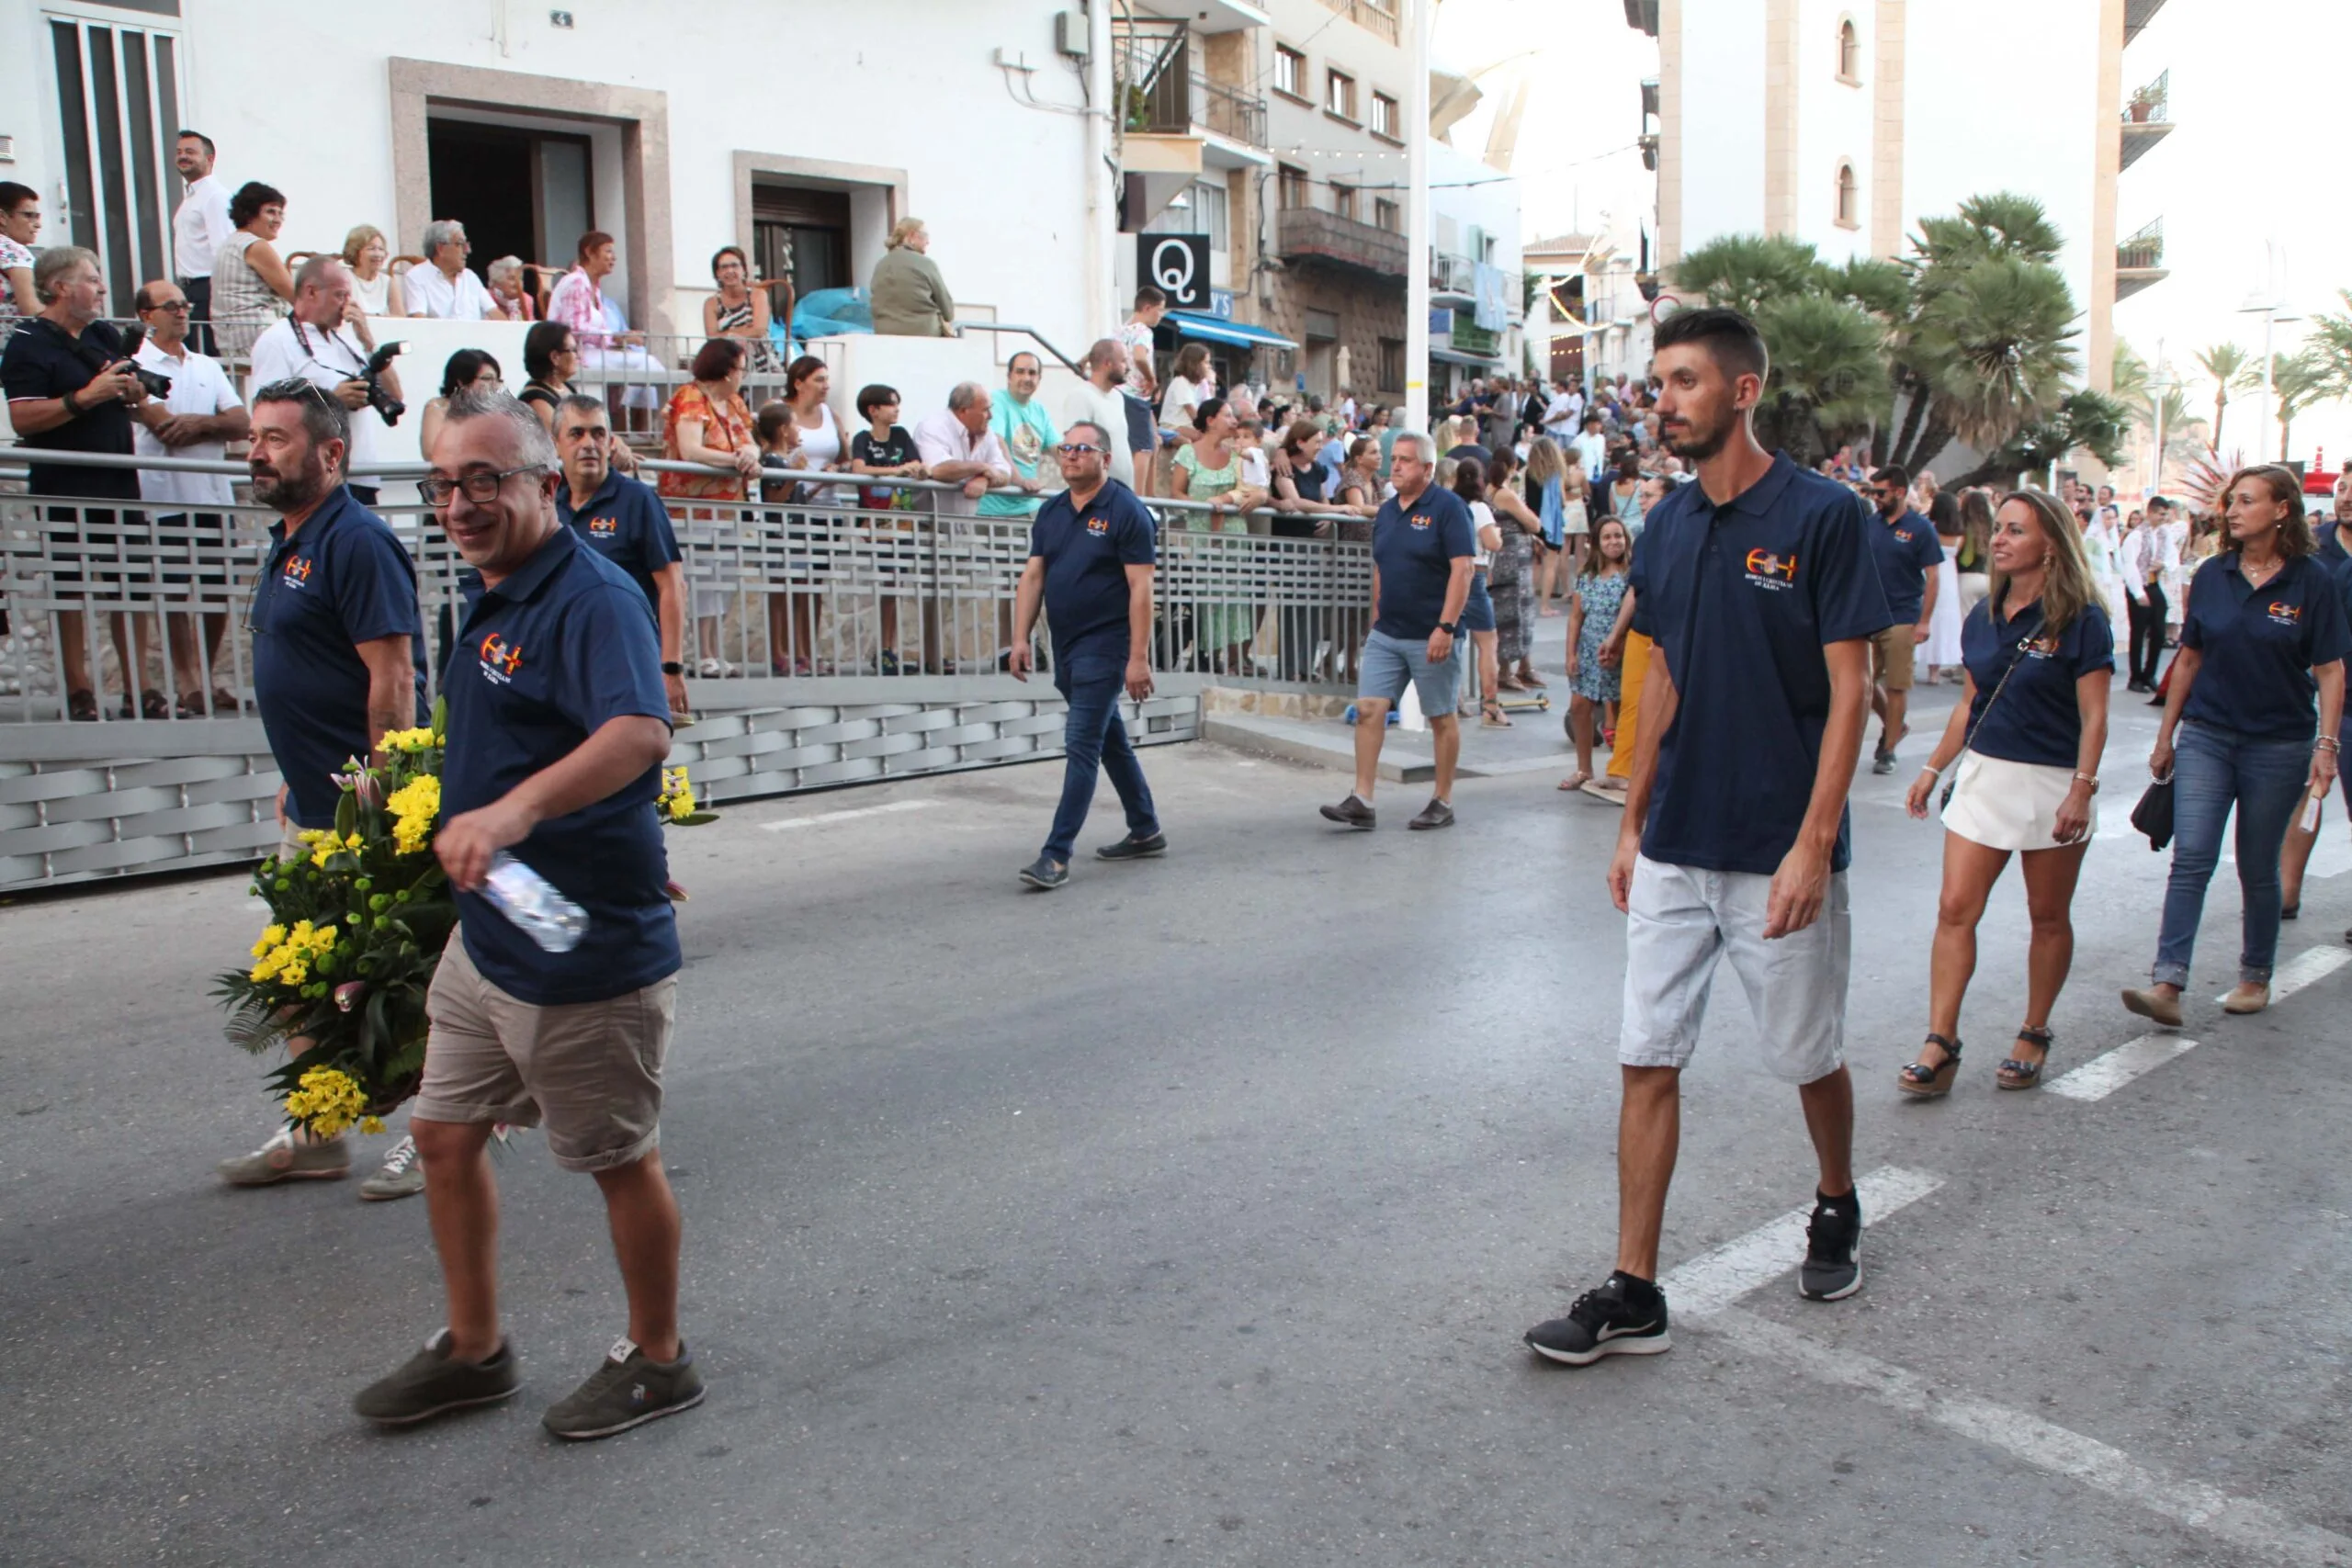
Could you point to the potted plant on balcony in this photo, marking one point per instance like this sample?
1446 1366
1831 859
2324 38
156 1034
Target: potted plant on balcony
2143 104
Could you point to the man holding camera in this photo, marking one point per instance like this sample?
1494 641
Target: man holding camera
325 342
203 415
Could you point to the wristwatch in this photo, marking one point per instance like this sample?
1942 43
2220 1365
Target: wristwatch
1451 628
671 666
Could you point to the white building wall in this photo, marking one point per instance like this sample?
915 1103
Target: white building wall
1833 123
1723 120
299 96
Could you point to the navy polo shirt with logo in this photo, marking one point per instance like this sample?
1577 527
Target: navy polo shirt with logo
2039 718
1415 547
1740 600
547 658
1087 554
341 579
2258 646
627 524
1906 550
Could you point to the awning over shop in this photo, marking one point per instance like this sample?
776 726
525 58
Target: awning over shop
1455 356
1209 328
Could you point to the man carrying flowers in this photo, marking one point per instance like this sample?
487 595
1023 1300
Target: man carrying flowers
557 726
338 663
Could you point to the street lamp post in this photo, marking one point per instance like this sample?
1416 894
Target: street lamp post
2271 309
2160 385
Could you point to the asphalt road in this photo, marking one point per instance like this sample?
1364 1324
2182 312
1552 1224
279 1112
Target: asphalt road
1192 1214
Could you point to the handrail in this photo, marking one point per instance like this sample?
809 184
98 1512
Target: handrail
1072 366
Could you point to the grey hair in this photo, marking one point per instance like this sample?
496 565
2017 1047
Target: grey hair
324 418
965 395
439 233
1100 433
316 272
581 403
505 267
533 445
1414 437
55 263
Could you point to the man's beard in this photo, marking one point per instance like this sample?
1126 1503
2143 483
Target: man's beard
1694 444
283 492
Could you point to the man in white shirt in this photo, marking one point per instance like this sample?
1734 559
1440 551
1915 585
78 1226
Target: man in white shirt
1098 399
199 224
325 342
1560 414
205 416
1592 450
957 445
444 287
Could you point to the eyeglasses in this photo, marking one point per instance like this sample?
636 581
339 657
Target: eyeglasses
1076 448
480 486
166 305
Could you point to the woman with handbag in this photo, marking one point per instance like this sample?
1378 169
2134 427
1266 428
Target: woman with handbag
2252 708
2023 749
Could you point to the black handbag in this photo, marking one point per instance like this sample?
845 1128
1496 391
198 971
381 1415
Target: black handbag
2153 815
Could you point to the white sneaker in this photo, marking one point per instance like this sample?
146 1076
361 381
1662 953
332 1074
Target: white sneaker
402 1175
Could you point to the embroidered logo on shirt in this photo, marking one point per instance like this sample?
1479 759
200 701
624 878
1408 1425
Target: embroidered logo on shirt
604 527
298 572
2041 648
2286 614
1765 569
500 659
1098 524
1421 520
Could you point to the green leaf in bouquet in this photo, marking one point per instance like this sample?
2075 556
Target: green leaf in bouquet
346 815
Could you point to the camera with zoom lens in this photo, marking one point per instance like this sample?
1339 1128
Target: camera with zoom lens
158 385
387 407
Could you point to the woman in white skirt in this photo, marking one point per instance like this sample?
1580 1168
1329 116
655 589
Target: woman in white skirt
2041 655
1940 653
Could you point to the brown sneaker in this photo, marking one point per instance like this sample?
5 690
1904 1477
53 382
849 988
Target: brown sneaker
2154 1004
286 1159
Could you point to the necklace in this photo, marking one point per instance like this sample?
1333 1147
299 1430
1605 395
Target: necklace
2257 576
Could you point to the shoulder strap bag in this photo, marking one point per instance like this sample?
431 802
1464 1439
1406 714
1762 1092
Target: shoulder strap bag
2017 657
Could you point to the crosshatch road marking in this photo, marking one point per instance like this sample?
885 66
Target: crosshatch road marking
2103 1075
1714 1280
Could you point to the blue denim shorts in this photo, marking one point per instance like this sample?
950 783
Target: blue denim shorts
1388 662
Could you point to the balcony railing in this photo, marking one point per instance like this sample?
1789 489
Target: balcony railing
1372 15
2151 104
1229 111
1150 65
2142 251
1450 274
1311 233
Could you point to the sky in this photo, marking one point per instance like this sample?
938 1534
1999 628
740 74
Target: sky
2247 189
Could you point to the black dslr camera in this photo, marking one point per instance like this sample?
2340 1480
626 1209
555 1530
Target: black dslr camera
157 384
387 407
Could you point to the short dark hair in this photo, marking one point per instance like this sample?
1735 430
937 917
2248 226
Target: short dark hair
591 240
799 370
723 252
1148 296
183 134
324 417
716 359
1730 339
1206 410
1102 437
582 403
463 366
251 197
772 418
1893 474
13 196
874 396
1021 354
540 346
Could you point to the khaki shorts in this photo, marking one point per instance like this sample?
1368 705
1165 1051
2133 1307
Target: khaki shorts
591 1072
1891 657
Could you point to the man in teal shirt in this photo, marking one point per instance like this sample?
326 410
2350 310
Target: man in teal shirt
1026 432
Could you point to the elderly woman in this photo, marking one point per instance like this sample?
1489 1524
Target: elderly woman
252 285
578 302
509 300
908 295
707 423
373 283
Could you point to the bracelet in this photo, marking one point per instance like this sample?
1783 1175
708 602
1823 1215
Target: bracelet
2326 743
2090 779
1932 770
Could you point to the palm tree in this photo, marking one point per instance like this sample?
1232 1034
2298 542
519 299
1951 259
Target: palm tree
2299 382
2226 364
1744 271
1992 346
1828 374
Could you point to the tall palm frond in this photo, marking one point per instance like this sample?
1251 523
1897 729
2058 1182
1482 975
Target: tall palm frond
2225 365
1998 340
1744 271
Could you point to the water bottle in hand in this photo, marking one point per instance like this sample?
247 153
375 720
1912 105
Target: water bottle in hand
531 901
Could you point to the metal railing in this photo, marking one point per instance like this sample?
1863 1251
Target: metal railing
1378 16
2150 105
1312 233
2142 250
1150 68
1229 110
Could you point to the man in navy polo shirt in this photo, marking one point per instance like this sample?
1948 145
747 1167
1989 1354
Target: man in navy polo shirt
1090 556
1907 552
1421 548
625 522
557 729
338 660
1758 587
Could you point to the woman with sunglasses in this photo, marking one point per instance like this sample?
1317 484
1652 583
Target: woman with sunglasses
2022 748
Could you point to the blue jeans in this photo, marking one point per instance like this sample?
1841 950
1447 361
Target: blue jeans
1094 738
2212 771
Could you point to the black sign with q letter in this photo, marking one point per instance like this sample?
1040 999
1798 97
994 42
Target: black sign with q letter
1178 264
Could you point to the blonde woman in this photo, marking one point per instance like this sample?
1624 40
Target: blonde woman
907 295
1564 525
373 283
2023 749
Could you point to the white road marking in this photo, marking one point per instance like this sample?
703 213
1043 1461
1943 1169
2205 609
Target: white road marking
783 824
2264 1532
2306 968
1714 1280
2103 1075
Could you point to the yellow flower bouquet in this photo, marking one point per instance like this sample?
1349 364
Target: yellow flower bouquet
357 924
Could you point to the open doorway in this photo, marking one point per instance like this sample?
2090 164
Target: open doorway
519 192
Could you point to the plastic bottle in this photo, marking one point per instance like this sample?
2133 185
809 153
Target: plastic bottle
531 901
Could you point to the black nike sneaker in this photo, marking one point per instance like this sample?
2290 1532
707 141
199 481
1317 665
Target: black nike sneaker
1626 1316
1833 1250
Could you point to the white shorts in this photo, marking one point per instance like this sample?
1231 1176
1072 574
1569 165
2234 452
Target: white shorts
1681 920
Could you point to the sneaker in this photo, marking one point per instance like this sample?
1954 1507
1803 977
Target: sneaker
1045 873
1883 762
1833 1251
1352 812
283 1158
1436 814
1623 1317
1135 847
401 1175
432 1382
628 1390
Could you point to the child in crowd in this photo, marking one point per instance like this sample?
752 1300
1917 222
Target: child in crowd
792 617
885 449
1256 472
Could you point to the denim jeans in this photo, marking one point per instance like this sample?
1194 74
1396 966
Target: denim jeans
2212 771
1092 740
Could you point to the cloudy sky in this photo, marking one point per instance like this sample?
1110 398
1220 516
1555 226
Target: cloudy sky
2246 176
